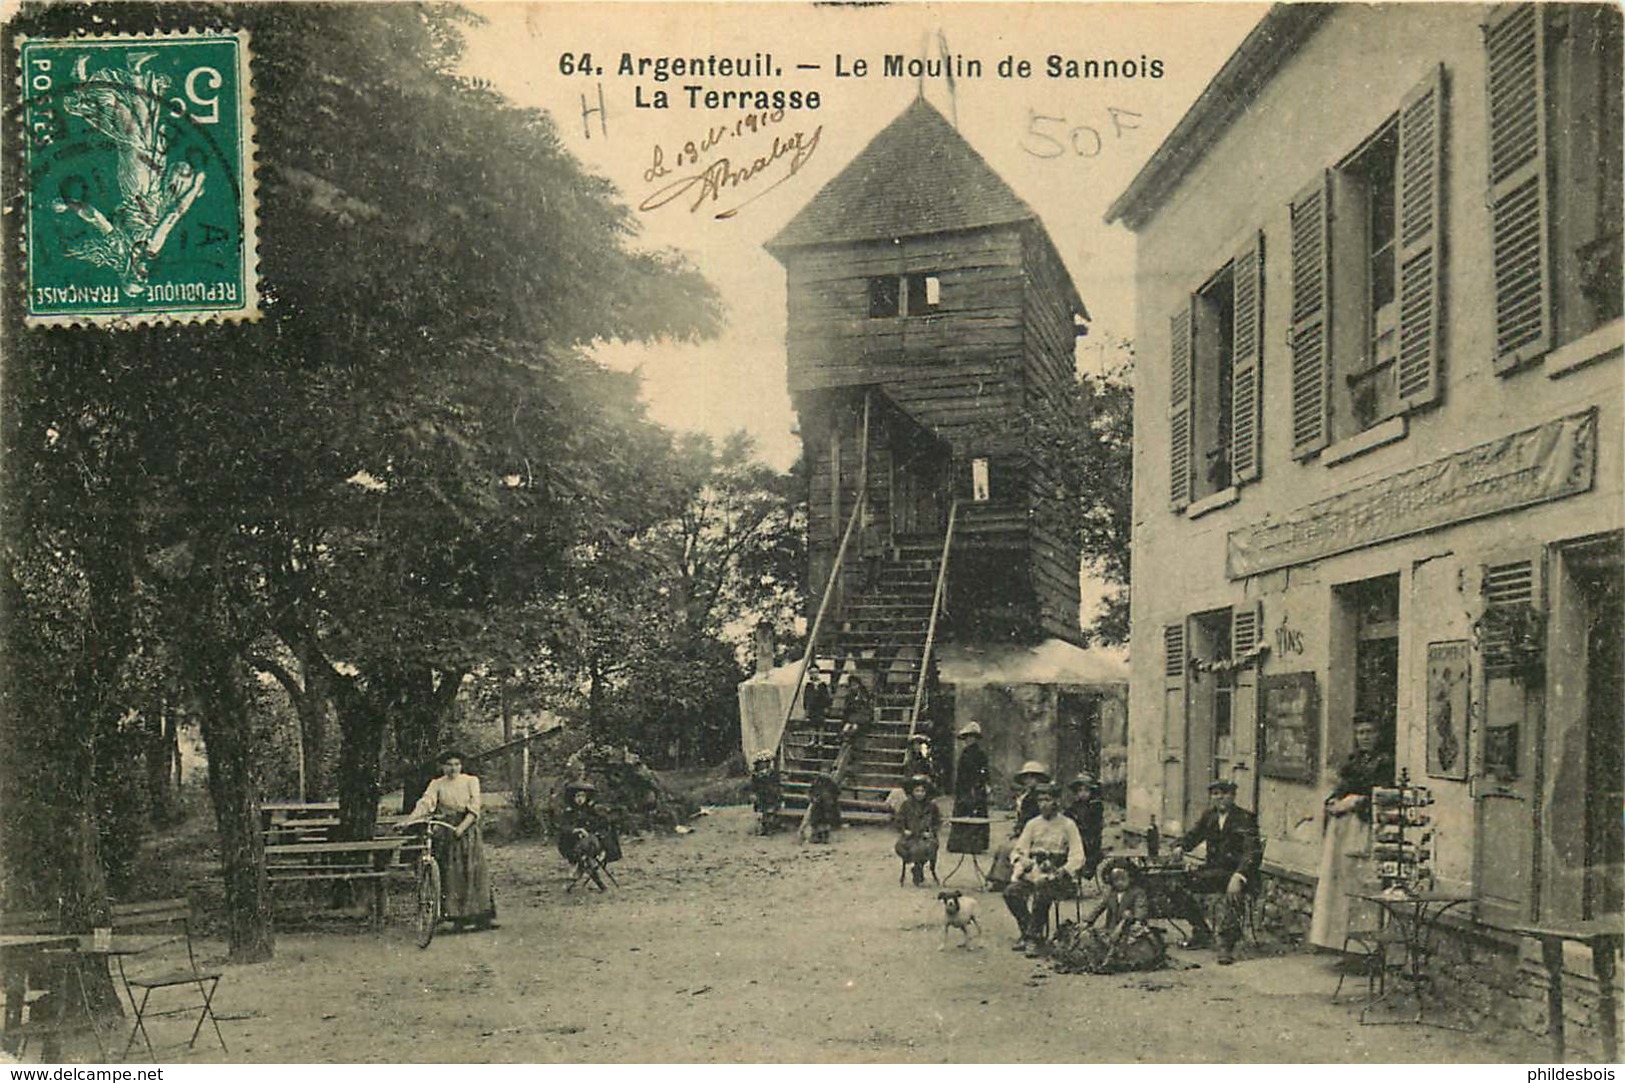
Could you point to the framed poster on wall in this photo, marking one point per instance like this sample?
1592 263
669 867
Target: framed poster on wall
1448 690
1291 720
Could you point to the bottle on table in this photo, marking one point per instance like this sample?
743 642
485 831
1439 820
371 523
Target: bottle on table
1153 840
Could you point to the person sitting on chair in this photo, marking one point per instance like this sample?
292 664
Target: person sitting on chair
1047 856
1031 776
919 825
1088 811
584 831
1125 942
857 709
1229 870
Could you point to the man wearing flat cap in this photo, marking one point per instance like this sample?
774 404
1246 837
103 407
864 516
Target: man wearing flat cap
1230 869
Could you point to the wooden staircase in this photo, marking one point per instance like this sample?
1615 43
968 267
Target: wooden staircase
883 633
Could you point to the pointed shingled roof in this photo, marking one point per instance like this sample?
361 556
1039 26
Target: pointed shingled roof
917 176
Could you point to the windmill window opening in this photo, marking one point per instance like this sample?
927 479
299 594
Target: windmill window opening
904 295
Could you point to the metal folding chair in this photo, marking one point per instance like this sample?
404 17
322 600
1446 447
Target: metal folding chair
146 927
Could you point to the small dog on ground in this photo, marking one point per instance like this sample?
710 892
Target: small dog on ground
959 913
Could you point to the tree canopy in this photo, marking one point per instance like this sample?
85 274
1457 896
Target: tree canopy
385 473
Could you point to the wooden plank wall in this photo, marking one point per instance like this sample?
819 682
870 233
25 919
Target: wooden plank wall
1003 332
1050 339
957 370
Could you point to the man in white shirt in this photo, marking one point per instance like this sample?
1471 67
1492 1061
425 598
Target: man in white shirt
1045 862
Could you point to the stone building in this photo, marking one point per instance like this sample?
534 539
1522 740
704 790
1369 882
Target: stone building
1378 446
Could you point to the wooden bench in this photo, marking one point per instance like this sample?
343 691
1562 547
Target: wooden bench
370 860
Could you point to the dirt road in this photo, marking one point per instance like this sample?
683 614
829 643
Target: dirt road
720 946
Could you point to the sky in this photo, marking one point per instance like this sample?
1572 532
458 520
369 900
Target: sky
1067 145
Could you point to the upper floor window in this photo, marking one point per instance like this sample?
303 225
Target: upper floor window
1554 174
1214 385
904 295
1367 278
885 297
1368 274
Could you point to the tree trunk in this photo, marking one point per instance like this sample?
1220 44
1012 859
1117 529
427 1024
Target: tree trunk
157 741
313 718
218 677
422 707
362 720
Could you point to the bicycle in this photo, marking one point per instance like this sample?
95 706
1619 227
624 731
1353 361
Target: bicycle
430 899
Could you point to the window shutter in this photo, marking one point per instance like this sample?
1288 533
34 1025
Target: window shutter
1246 383
1311 319
1519 217
1246 626
1174 663
1246 623
1512 631
1174 658
1179 407
1421 236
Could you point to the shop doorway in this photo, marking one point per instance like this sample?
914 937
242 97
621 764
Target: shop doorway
1586 743
1211 730
1605 743
1368 626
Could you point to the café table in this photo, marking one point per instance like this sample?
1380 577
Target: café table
1604 938
1416 917
20 955
967 821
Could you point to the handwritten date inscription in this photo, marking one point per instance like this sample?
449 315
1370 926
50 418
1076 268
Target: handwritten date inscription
718 180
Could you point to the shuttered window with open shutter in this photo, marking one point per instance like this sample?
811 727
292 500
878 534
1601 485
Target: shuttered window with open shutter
1246 381
1519 218
1175 659
1512 631
1421 237
1246 626
1311 320
1179 408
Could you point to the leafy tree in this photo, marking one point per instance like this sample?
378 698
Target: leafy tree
378 471
655 628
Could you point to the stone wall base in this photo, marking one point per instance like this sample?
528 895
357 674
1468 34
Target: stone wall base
1485 976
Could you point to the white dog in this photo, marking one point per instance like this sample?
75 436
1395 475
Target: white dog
959 913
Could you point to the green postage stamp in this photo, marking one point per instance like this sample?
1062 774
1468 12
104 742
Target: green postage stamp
140 179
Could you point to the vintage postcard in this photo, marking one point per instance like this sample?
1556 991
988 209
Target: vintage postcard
813 533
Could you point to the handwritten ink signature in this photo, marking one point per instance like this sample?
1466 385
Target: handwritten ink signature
721 176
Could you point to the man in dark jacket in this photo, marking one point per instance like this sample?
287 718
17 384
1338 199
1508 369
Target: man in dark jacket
1230 868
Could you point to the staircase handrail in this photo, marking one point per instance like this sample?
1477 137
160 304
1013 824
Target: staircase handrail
834 577
931 629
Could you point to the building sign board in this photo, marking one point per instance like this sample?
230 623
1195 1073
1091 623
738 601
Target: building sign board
1291 719
1547 462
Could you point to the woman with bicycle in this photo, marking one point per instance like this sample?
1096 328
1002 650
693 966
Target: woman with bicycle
454 799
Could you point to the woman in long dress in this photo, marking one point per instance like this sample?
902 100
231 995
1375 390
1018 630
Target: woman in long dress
454 798
1346 832
970 794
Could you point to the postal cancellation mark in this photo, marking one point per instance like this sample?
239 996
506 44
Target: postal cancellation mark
140 158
